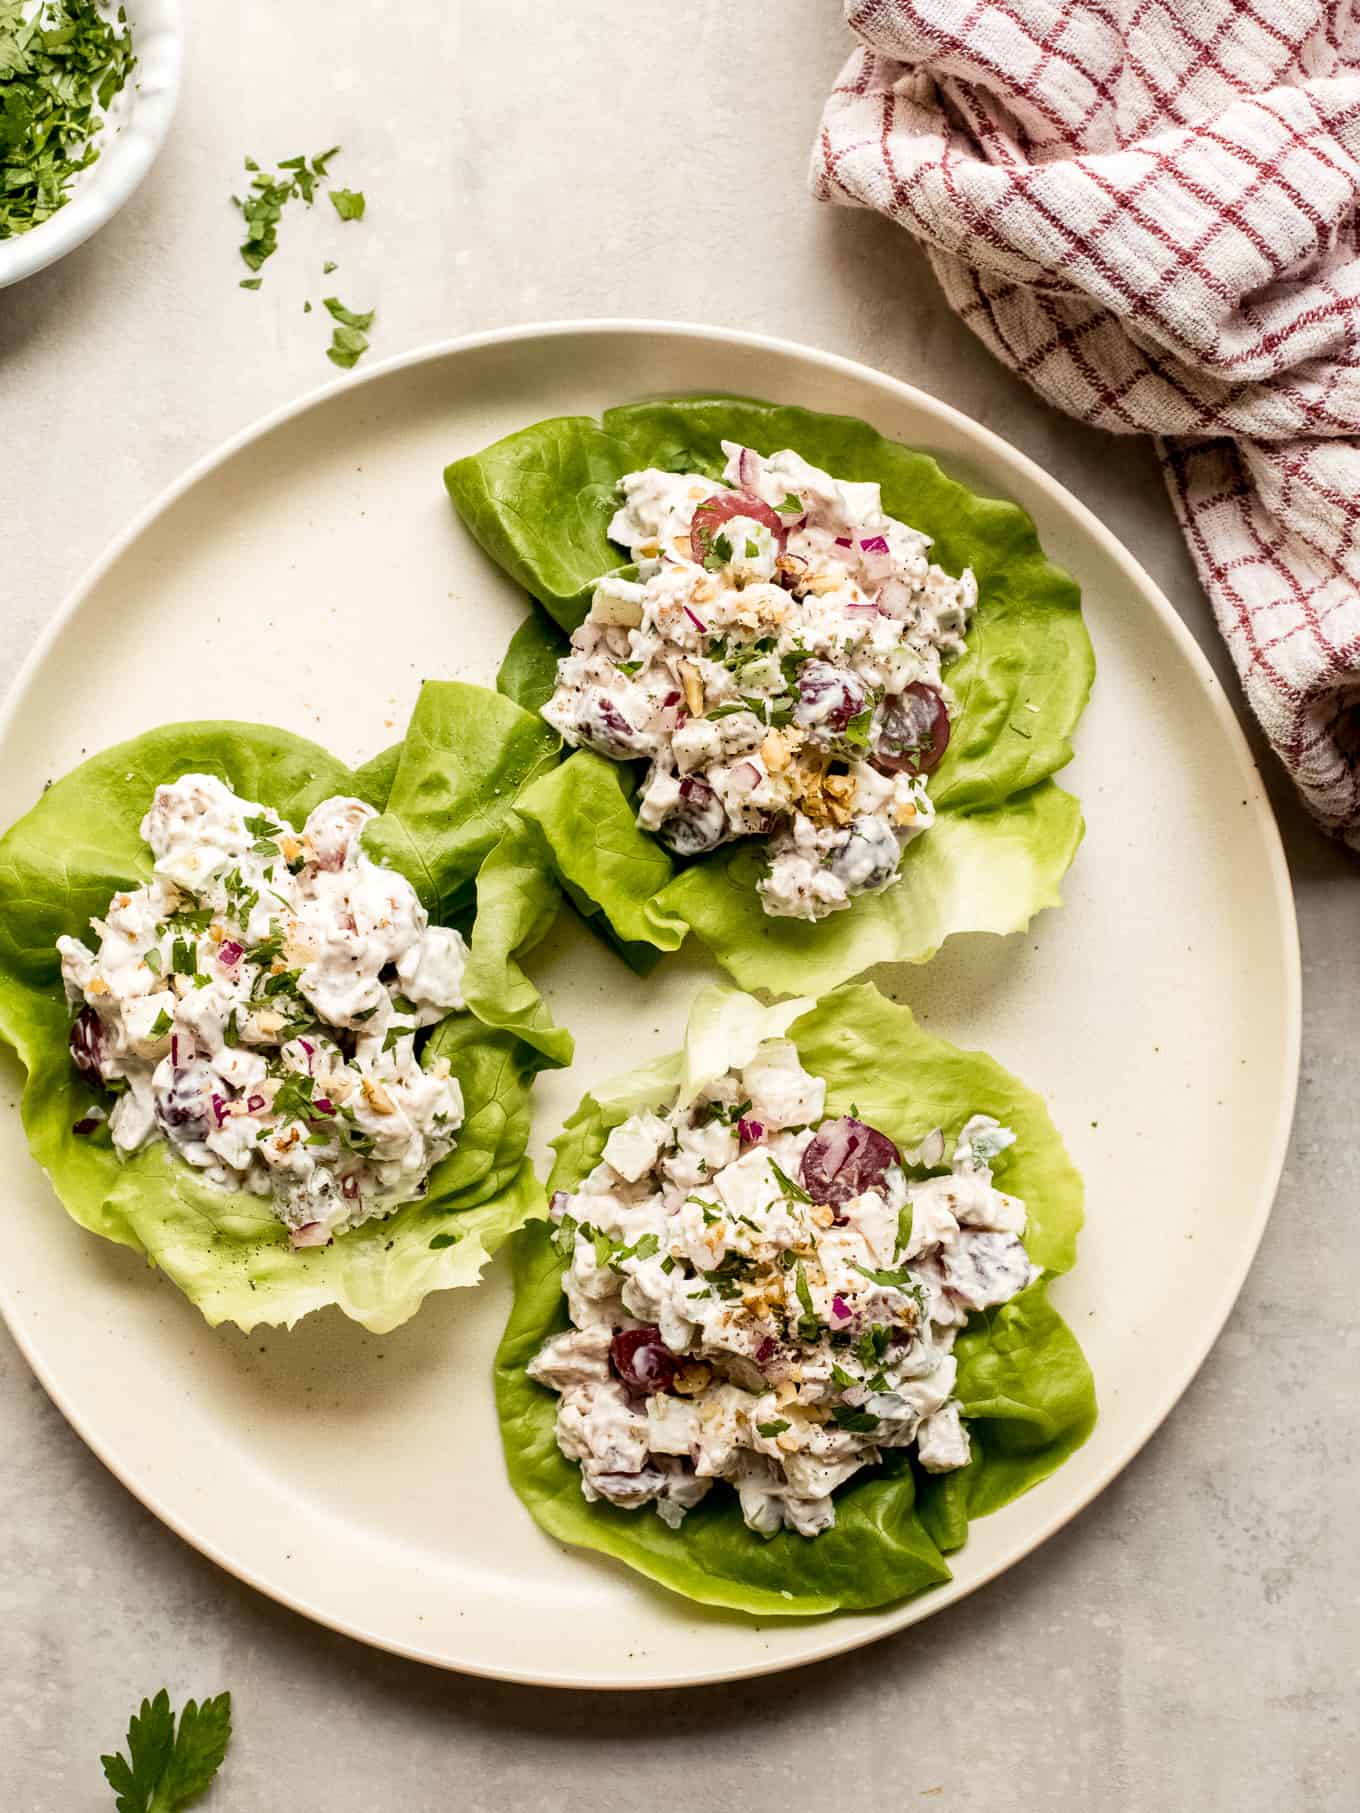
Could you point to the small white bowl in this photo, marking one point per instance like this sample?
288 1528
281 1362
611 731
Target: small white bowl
132 136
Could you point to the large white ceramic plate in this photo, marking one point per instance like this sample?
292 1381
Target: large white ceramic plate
130 141
312 573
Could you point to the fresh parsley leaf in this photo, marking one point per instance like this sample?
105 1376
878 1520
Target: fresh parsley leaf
858 1420
846 1380
165 1769
293 1098
786 1183
903 1228
564 1236
329 266
777 1427
161 1025
809 1328
152 960
873 1344
250 283
349 204
857 730
348 317
791 506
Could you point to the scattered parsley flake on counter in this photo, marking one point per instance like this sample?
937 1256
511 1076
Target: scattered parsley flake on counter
349 341
349 204
251 283
263 205
60 69
329 266
166 1769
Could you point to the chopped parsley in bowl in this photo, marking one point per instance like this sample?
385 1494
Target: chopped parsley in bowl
87 93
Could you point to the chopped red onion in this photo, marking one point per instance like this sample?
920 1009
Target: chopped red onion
766 1348
558 1203
87 1125
314 1233
840 1309
174 1051
324 1105
219 1108
875 544
745 777
844 541
671 698
254 1103
231 952
749 1131
695 619
748 467
349 1185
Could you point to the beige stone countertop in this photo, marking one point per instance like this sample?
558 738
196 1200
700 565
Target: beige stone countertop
1190 1641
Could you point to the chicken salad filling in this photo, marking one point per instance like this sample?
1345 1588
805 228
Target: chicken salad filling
777 663
767 1296
260 1005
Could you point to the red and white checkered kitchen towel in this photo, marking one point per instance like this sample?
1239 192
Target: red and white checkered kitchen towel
1148 208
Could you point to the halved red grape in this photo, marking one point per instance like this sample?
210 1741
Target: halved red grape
828 697
642 1360
844 1159
602 726
697 822
911 731
718 509
87 1042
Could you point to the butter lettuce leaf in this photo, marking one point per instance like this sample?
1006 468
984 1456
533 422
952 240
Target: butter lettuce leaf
540 502
59 866
1024 1384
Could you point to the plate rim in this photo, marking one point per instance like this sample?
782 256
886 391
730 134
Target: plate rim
990 445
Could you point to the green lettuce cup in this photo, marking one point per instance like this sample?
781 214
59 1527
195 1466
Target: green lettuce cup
1005 833
79 845
1023 1385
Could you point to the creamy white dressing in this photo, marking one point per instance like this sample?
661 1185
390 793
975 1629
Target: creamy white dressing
727 1327
785 686
256 1005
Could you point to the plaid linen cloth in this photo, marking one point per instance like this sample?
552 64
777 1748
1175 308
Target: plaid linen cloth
1148 208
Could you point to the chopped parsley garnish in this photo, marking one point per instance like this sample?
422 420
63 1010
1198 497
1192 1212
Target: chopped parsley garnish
293 1098
231 1031
904 1228
152 960
786 1183
809 1328
857 1420
719 553
857 730
329 266
777 1427
791 506
284 983
250 283
564 1236
395 1034
873 1344
59 72
367 1014
161 1025
349 204
846 1380
628 667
